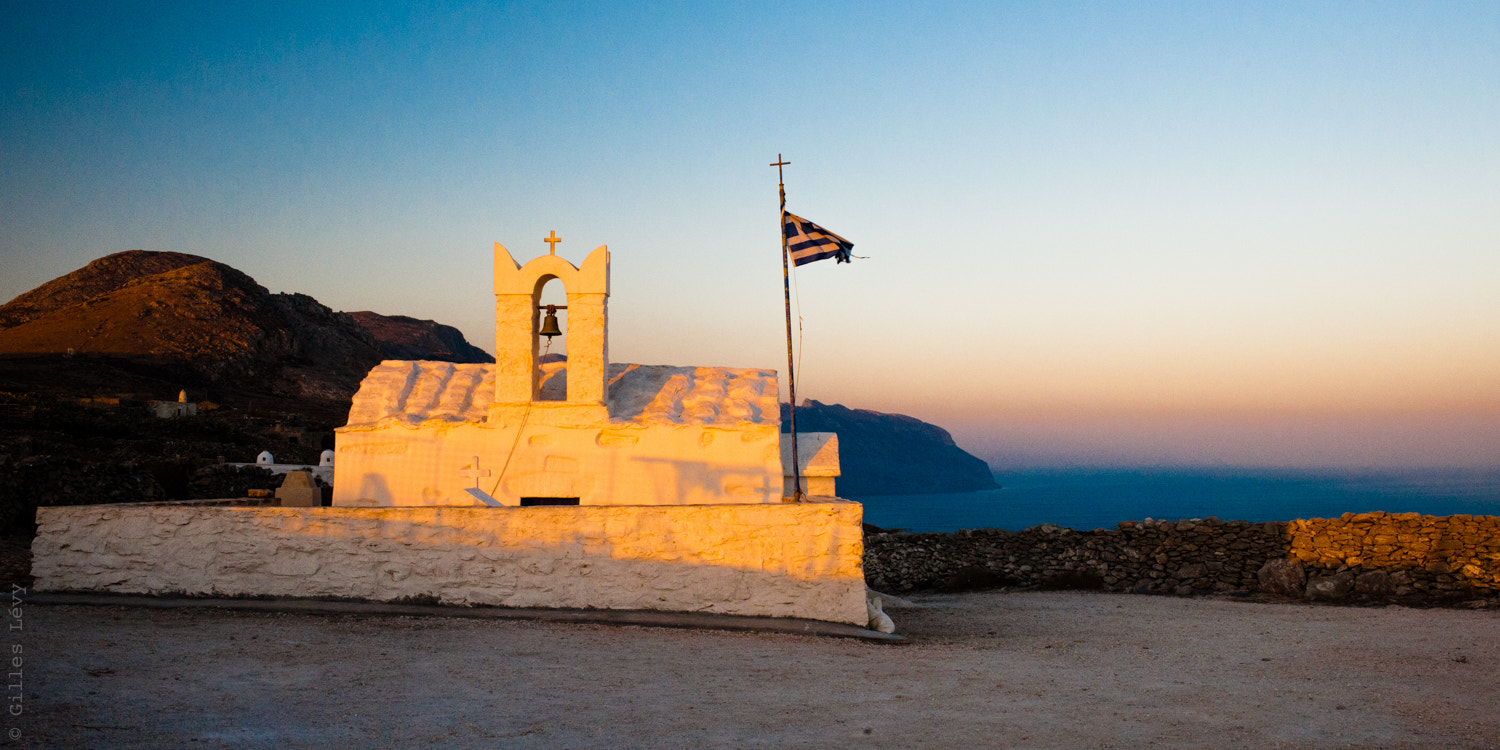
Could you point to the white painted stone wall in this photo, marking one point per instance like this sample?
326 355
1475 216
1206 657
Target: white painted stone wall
659 464
783 560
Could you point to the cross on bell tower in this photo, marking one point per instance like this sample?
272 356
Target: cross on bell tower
552 239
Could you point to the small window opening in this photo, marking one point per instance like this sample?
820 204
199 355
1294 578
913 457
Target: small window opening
528 502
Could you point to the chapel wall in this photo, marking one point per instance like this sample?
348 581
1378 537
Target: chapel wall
619 464
786 560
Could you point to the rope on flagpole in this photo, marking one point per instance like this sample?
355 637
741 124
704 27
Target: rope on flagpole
797 306
801 338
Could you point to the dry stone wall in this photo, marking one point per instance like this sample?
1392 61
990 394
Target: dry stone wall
1399 553
67 481
1406 557
1150 557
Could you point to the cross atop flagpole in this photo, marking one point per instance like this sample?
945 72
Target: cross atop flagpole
791 372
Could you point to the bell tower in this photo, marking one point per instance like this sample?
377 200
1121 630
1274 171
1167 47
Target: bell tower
518 318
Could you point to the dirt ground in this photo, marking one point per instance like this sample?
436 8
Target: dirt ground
1003 670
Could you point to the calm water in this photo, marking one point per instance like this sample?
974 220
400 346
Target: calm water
1101 498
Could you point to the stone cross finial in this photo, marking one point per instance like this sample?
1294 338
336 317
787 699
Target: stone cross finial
475 472
552 241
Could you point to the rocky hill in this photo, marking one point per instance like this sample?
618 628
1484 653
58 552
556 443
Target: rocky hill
100 277
401 337
139 317
892 454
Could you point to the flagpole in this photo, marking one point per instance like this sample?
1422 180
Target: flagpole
791 372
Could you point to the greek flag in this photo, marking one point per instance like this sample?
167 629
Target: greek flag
808 242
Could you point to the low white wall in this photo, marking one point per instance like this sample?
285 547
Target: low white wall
785 560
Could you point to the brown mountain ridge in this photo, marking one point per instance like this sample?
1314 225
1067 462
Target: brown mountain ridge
180 317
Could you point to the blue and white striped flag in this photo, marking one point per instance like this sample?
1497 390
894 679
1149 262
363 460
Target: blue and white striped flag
808 242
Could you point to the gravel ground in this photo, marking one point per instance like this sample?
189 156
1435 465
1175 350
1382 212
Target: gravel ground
1063 669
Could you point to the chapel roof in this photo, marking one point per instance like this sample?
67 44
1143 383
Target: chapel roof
417 392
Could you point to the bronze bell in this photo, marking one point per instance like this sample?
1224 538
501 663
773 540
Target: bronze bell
549 325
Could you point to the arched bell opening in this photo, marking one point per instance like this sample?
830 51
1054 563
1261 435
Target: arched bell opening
521 296
549 336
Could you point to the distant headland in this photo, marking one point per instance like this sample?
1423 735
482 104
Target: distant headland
892 454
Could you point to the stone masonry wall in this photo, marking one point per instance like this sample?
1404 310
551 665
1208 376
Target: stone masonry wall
1401 553
1150 557
782 560
1371 555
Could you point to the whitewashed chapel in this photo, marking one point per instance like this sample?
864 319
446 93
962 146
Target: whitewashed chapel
584 432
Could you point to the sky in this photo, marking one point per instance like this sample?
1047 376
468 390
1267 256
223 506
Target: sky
1137 233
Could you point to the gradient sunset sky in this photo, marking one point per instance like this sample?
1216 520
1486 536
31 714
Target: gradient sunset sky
1248 234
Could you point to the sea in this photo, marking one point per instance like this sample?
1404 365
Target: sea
1101 498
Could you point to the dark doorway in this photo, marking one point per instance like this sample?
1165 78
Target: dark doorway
527 502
